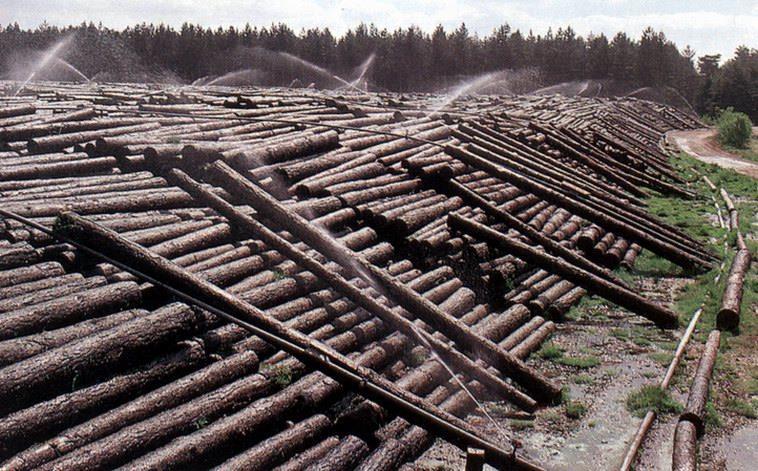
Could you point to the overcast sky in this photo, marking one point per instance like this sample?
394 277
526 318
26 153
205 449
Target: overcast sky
708 26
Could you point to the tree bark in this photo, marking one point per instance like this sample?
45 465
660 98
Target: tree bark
617 294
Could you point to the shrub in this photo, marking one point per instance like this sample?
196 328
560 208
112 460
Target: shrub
734 128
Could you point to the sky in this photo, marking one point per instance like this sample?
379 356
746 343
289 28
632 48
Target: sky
708 26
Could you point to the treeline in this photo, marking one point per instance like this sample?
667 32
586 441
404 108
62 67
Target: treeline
406 59
733 85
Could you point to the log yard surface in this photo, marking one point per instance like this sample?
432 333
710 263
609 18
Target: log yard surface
270 278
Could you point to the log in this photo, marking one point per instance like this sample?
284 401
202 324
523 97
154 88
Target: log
459 361
68 309
233 369
19 254
56 142
698 397
471 197
497 327
18 133
645 239
617 294
630 256
138 200
533 381
367 382
82 358
115 449
17 349
684 456
17 110
411 441
265 455
38 421
37 285
303 461
534 340
30 273
285 151
518 336
40 296
346 455
549 296
728 317
302 396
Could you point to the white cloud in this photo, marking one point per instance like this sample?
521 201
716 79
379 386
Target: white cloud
707 27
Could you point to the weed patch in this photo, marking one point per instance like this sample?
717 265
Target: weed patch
653 398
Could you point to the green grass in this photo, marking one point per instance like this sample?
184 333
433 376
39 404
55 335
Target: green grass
553 352
744 191
611 373
712 418
552 416
743 408
622 334
693 216
749 153
201 423
582 379
280 375
588 306
653 398
550 351
575 410
663 358
579 362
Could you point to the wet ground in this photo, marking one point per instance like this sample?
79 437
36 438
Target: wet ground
701 143
632 352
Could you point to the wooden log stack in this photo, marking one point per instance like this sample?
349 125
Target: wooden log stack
101 369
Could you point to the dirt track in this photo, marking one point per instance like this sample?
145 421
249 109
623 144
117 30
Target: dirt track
701 143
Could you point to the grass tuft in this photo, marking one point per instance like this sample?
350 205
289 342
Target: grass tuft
742 408
582 379
653 398
575 410
550 350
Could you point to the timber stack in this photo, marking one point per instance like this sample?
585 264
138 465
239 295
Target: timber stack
376 227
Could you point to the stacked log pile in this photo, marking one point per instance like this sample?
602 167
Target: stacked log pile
101 369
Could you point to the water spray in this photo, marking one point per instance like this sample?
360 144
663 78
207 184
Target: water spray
48 56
